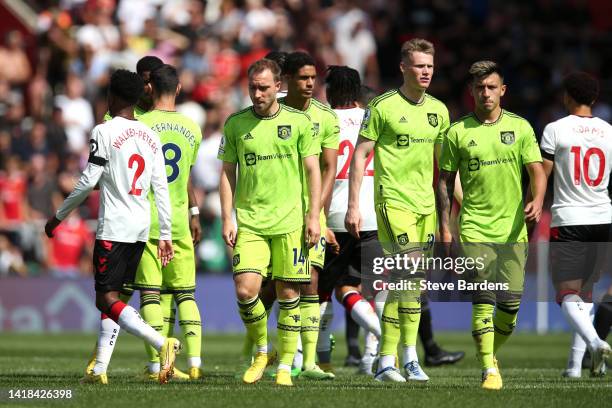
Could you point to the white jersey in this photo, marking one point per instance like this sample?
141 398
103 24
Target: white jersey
350 123
127 160
582 150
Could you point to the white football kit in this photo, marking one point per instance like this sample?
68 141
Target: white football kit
581 148
127 160
350 124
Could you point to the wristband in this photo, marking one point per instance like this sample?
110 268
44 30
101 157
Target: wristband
194 211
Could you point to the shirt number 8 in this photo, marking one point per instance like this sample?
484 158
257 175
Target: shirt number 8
172 161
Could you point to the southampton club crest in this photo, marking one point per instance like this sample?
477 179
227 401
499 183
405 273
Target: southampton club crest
284 131
432 118
507 137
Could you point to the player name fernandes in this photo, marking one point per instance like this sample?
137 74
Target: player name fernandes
462 284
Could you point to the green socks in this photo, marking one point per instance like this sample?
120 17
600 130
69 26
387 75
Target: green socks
390 325
289 327
151 312
483 333
504 321
310 315
190 323
409 312
253 314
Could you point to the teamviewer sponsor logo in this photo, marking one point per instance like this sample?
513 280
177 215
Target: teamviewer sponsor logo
474 164
403 140
250 159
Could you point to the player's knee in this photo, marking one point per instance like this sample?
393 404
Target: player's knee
244 292
288 290
567 294
105 300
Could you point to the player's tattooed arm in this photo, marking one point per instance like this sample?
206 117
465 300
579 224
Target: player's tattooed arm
194 219
537 184
227 188
352 220
444 194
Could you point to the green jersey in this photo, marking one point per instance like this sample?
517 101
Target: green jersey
405 134
327 132
138 112
269 152
489 158
180 138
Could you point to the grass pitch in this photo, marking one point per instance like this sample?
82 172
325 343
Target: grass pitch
530 365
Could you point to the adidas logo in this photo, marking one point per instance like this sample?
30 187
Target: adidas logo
403 119
248 136
472 143
190 334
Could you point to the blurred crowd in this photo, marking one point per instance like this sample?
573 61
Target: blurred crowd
53 84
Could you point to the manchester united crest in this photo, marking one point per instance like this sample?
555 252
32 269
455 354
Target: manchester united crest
507 137
284 131
432 118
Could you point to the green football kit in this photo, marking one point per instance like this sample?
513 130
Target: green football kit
490 159
405 134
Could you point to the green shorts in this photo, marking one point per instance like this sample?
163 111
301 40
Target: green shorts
497 263
316 254
281 257
403 231
178 276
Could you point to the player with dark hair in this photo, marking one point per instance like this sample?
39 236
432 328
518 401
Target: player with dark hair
266 148
280 57
578 148
144 66
180 138
109 330
300 74
348 257
126 159
489 148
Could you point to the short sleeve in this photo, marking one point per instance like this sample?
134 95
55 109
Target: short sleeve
449 158
227 146
371 125
196 147
530 151
308 142
98 149
548 144
444 126
331 137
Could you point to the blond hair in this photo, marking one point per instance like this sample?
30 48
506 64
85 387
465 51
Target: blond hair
263 64
417 45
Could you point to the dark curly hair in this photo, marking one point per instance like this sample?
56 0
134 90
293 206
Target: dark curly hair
126 85
581 87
